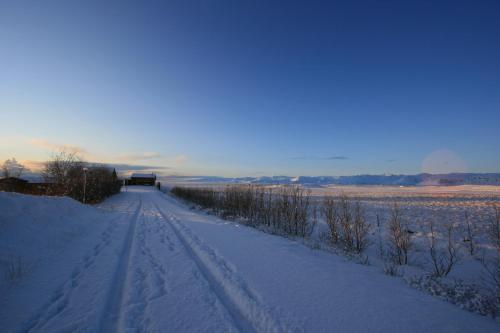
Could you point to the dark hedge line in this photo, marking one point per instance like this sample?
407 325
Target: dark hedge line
286 209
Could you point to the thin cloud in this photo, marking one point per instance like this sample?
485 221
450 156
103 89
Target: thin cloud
319 158
120 167
337 158
124 170
139 156
135 167
33 165
51 146
180 159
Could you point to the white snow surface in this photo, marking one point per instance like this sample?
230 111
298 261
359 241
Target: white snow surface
142 261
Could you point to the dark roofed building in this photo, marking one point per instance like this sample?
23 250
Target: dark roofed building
11 184
142 179
13 180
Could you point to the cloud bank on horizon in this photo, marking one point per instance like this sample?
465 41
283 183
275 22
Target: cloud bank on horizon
442 161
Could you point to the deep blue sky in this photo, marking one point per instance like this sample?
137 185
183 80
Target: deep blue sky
254 87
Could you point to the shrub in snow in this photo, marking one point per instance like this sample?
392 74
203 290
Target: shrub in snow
363 259
347 223
287 210
470 233
17 268
391 269
399 236
443 258
330 213
494 227
491 265
380 242
465 296
360 228
69 176
491 279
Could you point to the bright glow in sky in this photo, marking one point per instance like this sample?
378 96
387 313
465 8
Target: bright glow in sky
237 88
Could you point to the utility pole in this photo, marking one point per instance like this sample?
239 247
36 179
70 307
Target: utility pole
84 183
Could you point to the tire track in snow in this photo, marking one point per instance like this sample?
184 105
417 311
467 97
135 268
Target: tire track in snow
247 311
61 297
112 311
159 285
148 283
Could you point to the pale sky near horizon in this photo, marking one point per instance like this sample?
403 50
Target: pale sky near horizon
250 88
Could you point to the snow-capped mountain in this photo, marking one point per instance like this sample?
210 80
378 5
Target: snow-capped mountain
394 180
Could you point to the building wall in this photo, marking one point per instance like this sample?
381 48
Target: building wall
141 181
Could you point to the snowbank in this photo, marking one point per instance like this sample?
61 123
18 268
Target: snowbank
41 238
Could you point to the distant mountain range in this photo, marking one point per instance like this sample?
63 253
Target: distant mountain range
422 179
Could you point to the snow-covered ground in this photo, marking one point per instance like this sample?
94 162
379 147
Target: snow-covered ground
419 206
142 261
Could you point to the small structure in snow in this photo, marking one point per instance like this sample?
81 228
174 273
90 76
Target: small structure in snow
142 179
13 180
12 184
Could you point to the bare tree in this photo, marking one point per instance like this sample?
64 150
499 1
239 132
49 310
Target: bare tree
330 213
61 167
471 233
381 250
346 222
65 171
491 279
288 209
494 227
399 236
12 168
391 266
360 228
491 266
314 220
391 269
443 259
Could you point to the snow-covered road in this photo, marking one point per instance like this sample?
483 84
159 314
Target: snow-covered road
156 266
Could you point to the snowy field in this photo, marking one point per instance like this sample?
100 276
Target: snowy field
419 206
464 214
442 205
143 261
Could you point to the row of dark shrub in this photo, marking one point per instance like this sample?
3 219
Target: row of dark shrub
346 223
80 180
285 209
